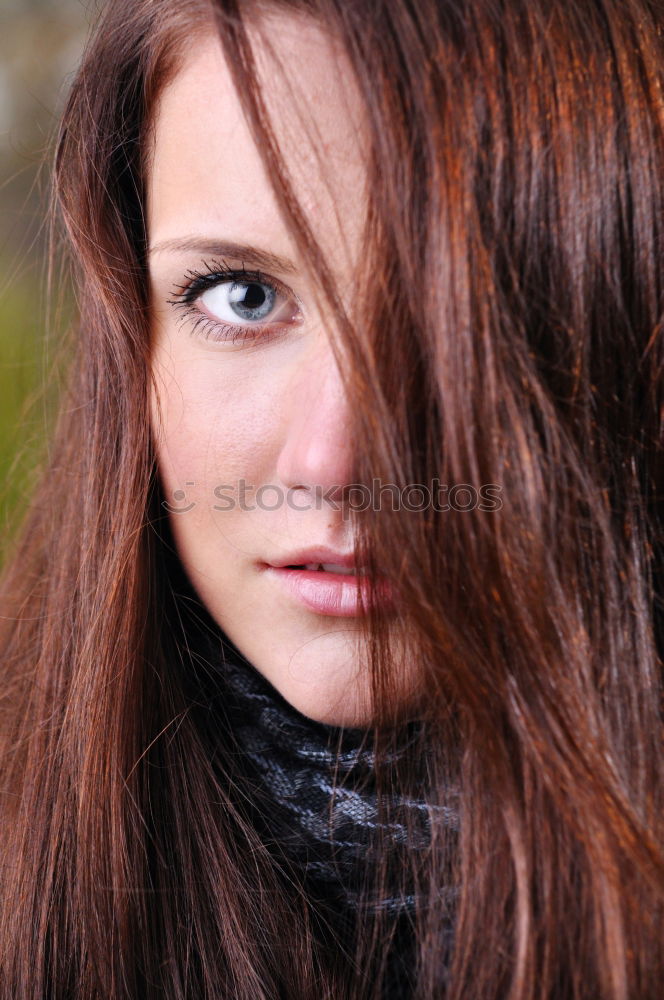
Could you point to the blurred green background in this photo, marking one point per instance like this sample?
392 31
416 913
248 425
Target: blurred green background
40 45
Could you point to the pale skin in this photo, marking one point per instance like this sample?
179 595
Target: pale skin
269 408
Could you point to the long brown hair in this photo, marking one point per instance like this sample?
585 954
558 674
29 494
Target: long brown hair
510 333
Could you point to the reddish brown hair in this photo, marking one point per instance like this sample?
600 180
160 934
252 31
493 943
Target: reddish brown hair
510 333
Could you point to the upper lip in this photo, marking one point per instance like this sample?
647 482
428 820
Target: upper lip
321 554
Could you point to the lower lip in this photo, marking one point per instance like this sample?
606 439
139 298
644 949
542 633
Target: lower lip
330 593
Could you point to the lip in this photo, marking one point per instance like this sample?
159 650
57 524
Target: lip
326 593
319 554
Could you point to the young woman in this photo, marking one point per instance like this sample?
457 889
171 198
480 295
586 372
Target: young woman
370 286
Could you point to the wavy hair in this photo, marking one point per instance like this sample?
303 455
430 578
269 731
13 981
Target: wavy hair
508 331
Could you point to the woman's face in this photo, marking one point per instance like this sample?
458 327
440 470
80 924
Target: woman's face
249 412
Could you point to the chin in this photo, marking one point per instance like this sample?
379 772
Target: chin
334 694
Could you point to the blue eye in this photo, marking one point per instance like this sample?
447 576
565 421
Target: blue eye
228 304
251 301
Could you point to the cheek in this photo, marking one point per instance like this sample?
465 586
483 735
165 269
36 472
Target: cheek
211 427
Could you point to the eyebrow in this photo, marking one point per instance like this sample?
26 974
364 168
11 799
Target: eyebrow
245 252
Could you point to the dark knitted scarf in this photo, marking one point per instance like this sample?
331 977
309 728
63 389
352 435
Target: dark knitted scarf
321 776
316 803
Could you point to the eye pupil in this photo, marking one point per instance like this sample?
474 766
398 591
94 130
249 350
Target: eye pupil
252 299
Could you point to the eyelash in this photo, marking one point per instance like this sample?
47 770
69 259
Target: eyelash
218 272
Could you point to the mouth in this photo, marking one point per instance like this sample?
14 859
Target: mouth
328 588
328 568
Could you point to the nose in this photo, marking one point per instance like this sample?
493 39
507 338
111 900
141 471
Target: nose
316 451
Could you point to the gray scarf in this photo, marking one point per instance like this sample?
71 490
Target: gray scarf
315 805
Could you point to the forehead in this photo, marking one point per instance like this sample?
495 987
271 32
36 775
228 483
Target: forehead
205 173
